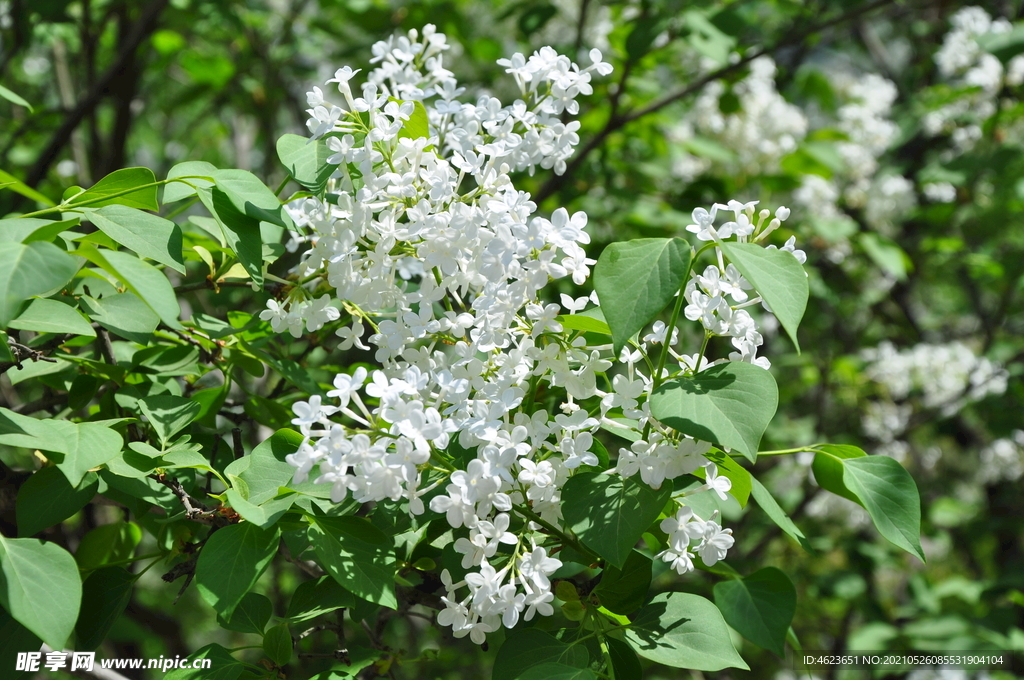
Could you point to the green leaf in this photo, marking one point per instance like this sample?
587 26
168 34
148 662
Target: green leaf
250 616
50 316
771 508
148 235
885 253
828 468
46 498
556 671
105 595
277 644
623 591
760 607
1004 45
29 229
265 469
175 191
222 666
108 543
169 414
529 647
120 181
11 182
14 640
230 563
624 660
636 279
241 232
14 98
26 270
141 278
610 513
316 597
683 631
418 125
40 587
889 494
124 314
358 555
306 160
251 197
587 324
729 405
778 278
263 515
84 445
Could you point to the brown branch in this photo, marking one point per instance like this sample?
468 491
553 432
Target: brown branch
617 122
194 509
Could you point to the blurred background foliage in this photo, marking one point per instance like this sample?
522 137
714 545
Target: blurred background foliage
900 156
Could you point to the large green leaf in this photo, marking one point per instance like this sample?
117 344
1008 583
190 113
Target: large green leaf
889 494
828 468
51 316
230 563
105 595
624 590
105 192
683 631
624 660
251 197
729 404
240 231
636 279
610 513
265 470
46 498
529 647
124 314
168 414
28 229
40 587
358 555
250 616
778 278
27 270
14 640
175 191
774 511
277 644
316 597
306 160
107 544
760 607
148 235
143 279
84 445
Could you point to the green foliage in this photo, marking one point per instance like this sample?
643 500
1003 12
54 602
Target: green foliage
760 607
636 279
683 631
730 405
40 588
610 513
231 561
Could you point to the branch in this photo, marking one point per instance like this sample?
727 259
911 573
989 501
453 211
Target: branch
617 122
195 510
142 28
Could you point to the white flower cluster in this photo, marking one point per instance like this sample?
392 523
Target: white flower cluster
684 529
426 240
946 376
963 62
764 129
710 292
1002 460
